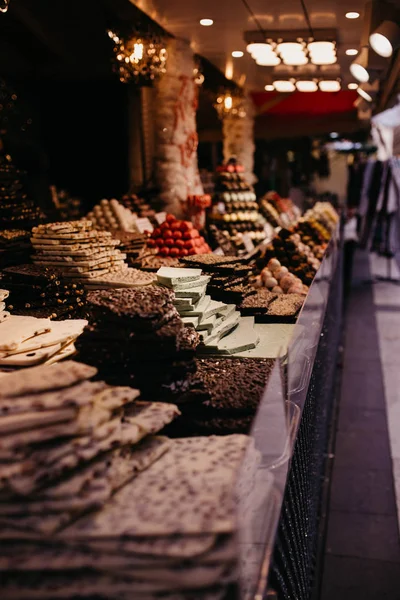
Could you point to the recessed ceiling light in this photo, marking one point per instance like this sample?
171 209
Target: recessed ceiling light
352 15
352 86
351 51
269 88
237 54
206 22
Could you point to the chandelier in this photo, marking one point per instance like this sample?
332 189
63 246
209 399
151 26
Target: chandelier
141 58
4 5
230 104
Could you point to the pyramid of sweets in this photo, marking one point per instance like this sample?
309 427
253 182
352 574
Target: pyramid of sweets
235 210
17 211
110 215
176 238
221 329
138 206
81 253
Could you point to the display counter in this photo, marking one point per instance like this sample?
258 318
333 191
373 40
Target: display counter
278 511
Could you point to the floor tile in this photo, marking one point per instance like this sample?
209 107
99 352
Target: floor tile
360 491
362 450
360 579
351 418
363 536
363 389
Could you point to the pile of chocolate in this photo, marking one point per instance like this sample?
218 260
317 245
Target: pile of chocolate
137 337
229 276
16 210
15 247
43 292
225 398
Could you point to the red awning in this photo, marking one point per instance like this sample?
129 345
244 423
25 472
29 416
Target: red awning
306 104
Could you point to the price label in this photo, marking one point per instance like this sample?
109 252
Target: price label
248 242
144 224
160 217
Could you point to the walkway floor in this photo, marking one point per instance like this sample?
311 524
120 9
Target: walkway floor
362 560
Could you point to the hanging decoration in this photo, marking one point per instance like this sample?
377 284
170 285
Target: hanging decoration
4 4
230 104
140 59
198 75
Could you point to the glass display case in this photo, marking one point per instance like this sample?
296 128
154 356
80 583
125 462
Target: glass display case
270 508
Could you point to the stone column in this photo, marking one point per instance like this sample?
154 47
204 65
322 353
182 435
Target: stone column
175 165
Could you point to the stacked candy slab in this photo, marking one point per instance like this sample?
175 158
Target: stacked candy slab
167 534
26 341
76 249
219 325
4 314
177 238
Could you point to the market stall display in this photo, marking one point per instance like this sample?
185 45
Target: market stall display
280 212
17 211
15 247
235 211
175 238
110 215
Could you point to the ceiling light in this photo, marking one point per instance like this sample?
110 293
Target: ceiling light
358 67
364 94
269 88
334 135
351 52
352 86
237 54
329 59
352 15
385 39
289 48
206 22
257 49
269 60
329 85
284 86
295 61
306 86
321 47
